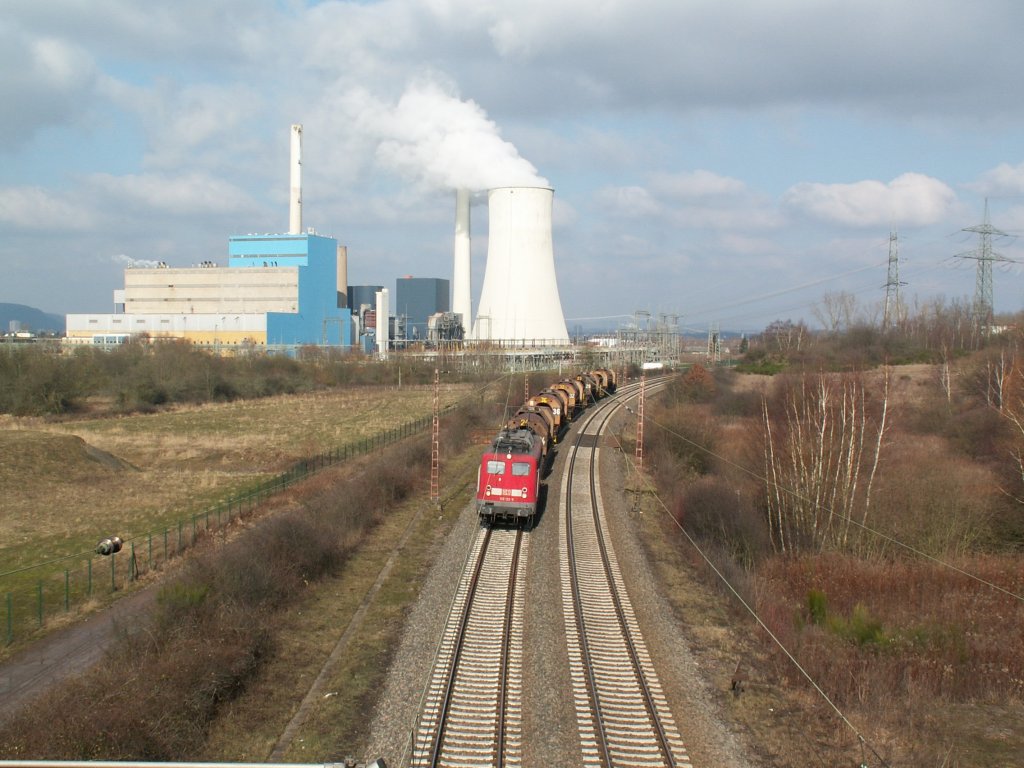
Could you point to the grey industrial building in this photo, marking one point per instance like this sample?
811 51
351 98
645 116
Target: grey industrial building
417 298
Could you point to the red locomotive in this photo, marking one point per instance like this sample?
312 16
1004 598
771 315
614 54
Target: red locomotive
508 481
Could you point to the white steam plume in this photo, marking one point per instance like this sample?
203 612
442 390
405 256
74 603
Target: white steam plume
127 261
441 141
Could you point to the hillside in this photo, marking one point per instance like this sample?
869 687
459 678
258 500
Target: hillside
31 319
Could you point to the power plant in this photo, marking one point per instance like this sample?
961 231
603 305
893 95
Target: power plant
279 290
291 289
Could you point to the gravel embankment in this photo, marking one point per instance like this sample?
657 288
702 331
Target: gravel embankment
688 684
399 706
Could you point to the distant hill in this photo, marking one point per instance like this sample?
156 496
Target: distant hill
31 319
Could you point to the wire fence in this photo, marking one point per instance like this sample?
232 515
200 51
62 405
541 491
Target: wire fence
66 583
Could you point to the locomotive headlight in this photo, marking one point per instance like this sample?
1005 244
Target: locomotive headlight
487 490
524 493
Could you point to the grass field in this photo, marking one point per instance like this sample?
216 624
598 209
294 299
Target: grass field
66 485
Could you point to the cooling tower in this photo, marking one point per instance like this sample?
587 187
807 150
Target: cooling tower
461 274
519 300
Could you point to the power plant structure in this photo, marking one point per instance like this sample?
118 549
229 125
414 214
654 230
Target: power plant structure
519 302
287 290
280 290
462 302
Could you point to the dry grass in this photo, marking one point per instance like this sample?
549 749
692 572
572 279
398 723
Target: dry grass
248 623
901 644
66 485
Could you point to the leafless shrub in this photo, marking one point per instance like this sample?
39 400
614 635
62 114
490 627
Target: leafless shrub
936 635
159 691
718 514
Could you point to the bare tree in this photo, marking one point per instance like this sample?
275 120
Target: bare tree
837 311
785 335
822 446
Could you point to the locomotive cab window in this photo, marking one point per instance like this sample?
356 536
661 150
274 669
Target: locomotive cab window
495 467
520 469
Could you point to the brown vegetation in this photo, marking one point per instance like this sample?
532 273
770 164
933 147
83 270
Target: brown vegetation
821 496
214 628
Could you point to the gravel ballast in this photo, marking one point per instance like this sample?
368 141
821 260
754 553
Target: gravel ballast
549 719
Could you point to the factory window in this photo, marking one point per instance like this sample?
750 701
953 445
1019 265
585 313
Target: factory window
495 467
520 469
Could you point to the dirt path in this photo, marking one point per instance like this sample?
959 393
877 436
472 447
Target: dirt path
68 652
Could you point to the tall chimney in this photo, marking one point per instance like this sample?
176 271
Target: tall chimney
383 323
462 303
519 301
342 276
295 198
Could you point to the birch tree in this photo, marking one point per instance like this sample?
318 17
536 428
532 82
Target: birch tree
823 440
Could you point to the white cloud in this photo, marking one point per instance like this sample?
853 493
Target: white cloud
43 81
911 199
1003 180
629 202
192 194
696 185
36 209
692 200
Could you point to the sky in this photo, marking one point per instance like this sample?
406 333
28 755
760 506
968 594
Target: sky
729 163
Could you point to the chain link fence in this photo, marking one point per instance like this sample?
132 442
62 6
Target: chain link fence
66 583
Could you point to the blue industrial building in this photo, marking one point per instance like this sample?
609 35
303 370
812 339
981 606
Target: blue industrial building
317 319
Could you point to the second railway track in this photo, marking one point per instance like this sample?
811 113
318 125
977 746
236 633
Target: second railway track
622 714
472 712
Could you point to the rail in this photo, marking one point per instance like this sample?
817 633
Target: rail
605 611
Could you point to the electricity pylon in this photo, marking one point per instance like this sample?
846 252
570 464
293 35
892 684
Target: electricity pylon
893 311
984 255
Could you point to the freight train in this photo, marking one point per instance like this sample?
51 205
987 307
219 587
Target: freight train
508 484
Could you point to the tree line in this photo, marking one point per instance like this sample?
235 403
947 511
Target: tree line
45 381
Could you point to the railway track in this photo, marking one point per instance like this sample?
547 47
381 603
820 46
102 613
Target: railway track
472 711
622 714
